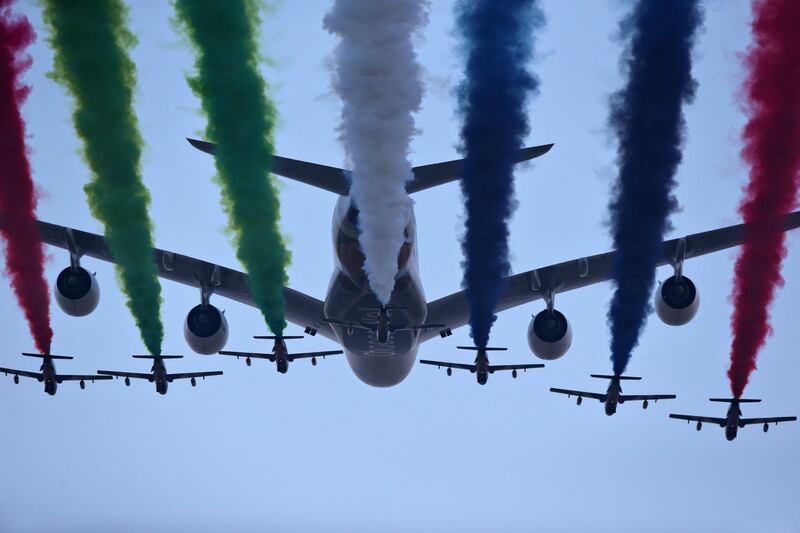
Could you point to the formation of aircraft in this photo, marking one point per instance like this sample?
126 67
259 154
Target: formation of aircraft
158 373
613 395
733 419
481 367
280 354
47 373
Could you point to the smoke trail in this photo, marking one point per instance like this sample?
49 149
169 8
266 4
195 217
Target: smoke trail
647 118
91 59
379 81
497 39
240 120
24 250
772 150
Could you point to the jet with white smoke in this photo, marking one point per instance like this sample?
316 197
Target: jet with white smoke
377 76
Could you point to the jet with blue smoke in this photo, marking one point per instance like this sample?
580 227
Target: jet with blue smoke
497 40
647 118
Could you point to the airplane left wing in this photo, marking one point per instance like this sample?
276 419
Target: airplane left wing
252 355
190 375
535 284
582 394
775 420
132 375
22 373
445 364
704 419
301 309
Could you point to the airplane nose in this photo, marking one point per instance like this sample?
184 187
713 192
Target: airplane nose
381 370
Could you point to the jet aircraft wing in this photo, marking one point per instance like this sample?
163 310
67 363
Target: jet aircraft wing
535 284
460 366
582 394
493 368
22 373
301 309
642 397
133 375
252 355
307 355
704 419
774 419
79 377
190 375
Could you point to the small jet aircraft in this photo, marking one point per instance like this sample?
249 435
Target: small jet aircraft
481 367
613 395
383 327
49 375
733 419
280 354
158 373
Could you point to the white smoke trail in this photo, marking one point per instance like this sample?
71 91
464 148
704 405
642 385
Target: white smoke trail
377 76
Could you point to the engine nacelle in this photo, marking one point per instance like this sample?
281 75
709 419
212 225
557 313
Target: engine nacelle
206 329
677 301
549 335
77 291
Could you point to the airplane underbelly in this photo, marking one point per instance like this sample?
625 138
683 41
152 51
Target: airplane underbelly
377 364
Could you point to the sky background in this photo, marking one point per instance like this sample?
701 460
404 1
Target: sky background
317 449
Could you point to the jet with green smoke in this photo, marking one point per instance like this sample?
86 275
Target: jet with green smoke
241 119
91 44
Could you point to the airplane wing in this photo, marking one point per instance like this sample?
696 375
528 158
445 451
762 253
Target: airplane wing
582 394
78 377
642 397
22 373
190 375
293 356
775 419
336 180
252 355
705 419
133 375
445 364
301 309
492 368
532 285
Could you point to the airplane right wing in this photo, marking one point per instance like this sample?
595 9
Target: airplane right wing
705 419
252 355
445 364
535 284
582 394
774 419
641 397
307 355
22 373
493 368
133 375
190 375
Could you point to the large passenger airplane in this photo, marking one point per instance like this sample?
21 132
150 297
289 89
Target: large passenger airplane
349 299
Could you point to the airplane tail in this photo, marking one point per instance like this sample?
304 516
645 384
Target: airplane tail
622 378
44 356
278 337
157 356
731 400
488 348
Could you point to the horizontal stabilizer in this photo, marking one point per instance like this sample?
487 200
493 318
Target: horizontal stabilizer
731 400
157 356
278 337
605 376
475 348
43 356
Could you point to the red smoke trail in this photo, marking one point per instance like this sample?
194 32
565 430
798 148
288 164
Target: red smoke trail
772 149
24 252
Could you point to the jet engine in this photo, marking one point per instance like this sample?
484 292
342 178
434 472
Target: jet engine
549 335
206 329
77 291
677 301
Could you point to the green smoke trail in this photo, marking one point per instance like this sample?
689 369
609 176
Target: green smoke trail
240 120
91 47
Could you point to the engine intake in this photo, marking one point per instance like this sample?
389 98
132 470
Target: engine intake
549 335
77 291
206 329
677 301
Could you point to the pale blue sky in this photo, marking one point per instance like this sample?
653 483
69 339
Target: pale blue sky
318 450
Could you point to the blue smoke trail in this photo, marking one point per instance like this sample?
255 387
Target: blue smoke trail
647 118
498 44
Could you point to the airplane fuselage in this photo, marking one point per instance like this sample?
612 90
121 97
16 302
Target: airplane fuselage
482 368
732 421
612 397
350 300
49 376
160 376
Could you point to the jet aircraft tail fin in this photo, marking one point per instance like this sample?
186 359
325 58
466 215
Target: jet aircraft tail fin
44 356
278 337
731 400
606 376
488 348
157 356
